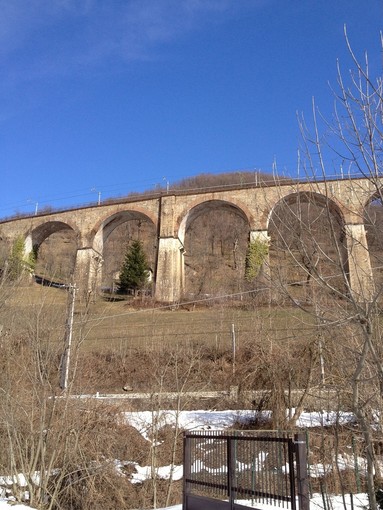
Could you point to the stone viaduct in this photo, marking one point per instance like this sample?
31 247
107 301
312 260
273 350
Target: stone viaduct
172 213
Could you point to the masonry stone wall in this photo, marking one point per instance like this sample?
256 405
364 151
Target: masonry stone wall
171 214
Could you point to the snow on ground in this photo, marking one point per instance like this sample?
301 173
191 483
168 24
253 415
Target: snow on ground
360 502
147 423
144 421
324 419
144 473
5 504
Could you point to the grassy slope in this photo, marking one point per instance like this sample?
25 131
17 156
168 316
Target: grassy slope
120 341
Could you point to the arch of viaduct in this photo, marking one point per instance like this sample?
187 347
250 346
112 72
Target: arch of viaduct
171 214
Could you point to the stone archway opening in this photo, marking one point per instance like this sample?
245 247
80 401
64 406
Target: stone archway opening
215 242
308 251
373 222
55 246
118 233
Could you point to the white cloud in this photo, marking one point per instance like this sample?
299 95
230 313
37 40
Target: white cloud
40 37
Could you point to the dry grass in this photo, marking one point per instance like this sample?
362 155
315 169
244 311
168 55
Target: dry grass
118 343
153 350
122 325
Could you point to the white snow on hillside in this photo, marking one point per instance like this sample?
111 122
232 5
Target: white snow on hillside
144 421
147 423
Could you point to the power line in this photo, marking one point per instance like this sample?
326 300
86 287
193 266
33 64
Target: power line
154 181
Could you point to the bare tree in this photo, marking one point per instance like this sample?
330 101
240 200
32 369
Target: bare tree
324 244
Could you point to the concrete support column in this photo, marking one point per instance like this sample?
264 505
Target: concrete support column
28 245
87 275
263 237
359 263
170 272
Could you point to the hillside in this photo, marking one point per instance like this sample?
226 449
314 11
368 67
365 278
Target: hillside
297 345
114 335
133 345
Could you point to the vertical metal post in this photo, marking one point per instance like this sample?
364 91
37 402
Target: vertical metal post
64 370
291 451
187 469
302 476
231 462
233 346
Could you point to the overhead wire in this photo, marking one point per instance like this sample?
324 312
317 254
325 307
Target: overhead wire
155 181
203 301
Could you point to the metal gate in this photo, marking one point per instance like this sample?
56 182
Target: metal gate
241 469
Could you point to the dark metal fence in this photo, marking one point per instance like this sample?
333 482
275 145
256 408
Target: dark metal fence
234 470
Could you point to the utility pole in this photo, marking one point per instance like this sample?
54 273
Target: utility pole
98 194
320 345
233 346
65 360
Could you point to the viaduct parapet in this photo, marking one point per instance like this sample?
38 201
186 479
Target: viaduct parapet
171 214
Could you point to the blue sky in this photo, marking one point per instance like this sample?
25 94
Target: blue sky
123 95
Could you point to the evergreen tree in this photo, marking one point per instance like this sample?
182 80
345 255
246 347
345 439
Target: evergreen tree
134 272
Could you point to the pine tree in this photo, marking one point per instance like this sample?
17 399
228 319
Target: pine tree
134 272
